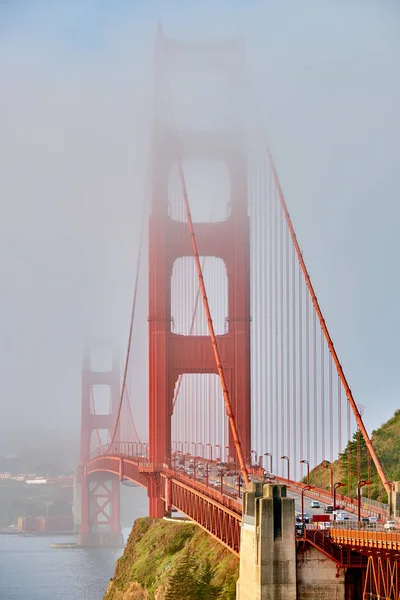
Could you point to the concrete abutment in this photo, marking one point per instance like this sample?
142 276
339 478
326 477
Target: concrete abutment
268 545
271 568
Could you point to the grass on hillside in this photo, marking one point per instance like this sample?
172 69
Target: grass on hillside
153 551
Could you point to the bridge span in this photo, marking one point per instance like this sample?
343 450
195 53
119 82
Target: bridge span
242 369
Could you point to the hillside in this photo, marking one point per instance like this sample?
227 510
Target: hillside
164 560
355 459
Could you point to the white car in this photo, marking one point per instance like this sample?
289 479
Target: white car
340 518
390 525
373 519
314 504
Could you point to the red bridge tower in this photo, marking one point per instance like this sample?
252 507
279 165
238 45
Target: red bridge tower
99 493
171 354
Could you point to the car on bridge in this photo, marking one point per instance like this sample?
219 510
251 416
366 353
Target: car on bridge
390 525
314 504
299 518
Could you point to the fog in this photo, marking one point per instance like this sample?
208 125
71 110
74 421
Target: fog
75 114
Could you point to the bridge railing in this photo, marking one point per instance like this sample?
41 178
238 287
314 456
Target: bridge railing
354 525
134 449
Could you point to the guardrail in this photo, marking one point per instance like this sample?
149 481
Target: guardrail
354 525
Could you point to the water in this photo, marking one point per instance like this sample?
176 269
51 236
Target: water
31 570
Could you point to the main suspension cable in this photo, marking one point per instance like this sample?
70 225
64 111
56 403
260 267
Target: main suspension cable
128 351
218 360
323 325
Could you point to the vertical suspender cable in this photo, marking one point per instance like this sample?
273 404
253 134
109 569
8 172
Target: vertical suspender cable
328 338
221 372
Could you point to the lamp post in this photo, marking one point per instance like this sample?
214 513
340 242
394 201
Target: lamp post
327 465
202 448
270 460
210 446
220 453
305 488
255 456
360 485
288 465
390 498
305 462
227 453
184 460
337 485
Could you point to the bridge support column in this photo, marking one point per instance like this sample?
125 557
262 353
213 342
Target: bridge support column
156 503
100 512
77 501
268 545
394 501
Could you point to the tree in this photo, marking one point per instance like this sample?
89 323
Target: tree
182 584
205 590
228 591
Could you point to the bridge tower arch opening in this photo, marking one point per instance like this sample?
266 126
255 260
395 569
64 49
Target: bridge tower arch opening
226 238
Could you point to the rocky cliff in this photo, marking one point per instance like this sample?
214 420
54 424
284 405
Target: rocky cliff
165 560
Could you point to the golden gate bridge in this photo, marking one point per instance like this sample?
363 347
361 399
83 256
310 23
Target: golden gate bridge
242 367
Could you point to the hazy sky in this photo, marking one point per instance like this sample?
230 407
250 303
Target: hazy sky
75 81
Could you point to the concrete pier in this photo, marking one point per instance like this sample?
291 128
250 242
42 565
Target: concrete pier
394 501
268 545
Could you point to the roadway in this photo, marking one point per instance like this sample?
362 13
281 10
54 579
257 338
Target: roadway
230 488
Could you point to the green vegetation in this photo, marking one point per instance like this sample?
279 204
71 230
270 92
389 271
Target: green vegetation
355 463
173 561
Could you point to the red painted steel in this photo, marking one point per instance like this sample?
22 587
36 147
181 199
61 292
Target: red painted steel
171 355
382 578
341 555
91 423
214 341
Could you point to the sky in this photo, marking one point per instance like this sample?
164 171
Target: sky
74 104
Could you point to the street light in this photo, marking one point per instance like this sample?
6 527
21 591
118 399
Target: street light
360 485
270 456
390 499
255 456
220 453
202 448
305 462
288 465
210 451
305 488
327 465
337 485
